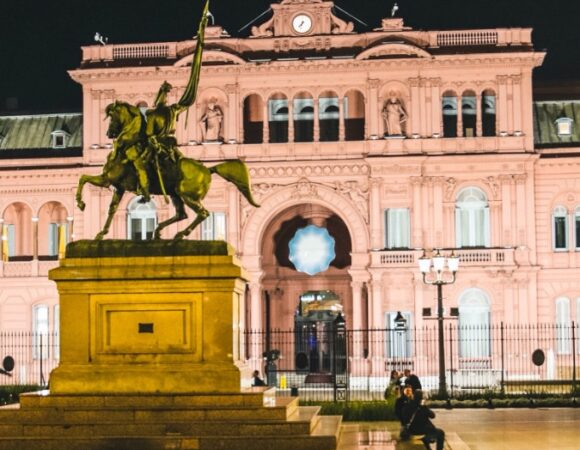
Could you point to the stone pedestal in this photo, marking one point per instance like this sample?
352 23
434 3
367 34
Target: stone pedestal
150 317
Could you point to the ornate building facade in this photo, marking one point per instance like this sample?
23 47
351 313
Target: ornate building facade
393 140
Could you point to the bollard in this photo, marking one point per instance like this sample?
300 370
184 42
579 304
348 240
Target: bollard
283 384
294 391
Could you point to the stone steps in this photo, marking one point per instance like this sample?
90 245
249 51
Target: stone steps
254 420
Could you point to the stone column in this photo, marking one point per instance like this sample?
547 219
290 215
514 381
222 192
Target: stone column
510 106
376 314
520 181
316 127
290 120
438 224
517 102
357 318
423 107
341 124
373 111
459 116
265 124
501 104
232 224
232 114
478 116
416 186
506 200
35 238
415 112
437 112
376 214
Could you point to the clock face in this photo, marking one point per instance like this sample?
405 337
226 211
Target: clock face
302 23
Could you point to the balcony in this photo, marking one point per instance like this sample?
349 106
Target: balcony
24 269
468 257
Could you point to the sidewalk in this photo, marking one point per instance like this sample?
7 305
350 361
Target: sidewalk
478 429
383 436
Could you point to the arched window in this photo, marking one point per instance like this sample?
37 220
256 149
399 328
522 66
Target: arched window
303 105
474 325
253 119
354 116
560 228
488 113
469 113
449 110
278 118
141 220
563 326
472 218
328 116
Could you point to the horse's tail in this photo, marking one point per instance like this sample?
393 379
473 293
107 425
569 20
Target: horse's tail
236 172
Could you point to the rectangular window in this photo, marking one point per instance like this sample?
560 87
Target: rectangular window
40 332
11 236
560 238
56 329
214 227
577 230
397 228
52 239
398 340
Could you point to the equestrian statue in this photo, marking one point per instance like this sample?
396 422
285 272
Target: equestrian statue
145 159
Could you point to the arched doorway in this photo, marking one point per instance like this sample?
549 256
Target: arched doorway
284 281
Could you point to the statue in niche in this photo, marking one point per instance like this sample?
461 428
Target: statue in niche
394 115
211 122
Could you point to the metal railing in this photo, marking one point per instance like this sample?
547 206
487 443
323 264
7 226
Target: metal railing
506 358
35 355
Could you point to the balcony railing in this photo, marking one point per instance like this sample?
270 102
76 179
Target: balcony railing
467 257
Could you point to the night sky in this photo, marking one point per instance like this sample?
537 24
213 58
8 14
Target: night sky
40 39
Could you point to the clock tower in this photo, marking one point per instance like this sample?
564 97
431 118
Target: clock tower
302 18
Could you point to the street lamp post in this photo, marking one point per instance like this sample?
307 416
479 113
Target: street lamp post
439 270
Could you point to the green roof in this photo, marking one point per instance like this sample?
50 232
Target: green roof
35 131
545 115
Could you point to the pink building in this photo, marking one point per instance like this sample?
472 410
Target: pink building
393 140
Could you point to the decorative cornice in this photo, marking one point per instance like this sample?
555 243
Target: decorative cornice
351 66
310 170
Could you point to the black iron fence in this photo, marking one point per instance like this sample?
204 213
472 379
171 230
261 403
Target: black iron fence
513 359
331 363
34 356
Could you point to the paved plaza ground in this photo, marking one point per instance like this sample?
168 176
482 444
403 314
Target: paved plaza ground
479 429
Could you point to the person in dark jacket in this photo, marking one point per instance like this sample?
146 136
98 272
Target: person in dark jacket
256 380
402 398
420 417
412 380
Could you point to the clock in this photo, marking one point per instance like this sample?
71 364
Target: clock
302 23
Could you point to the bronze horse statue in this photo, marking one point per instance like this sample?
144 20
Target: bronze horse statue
145 159
186 181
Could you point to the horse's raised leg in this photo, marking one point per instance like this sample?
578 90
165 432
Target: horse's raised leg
201 212
179 215
117 196
95 180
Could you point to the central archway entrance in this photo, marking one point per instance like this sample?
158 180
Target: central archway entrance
288 285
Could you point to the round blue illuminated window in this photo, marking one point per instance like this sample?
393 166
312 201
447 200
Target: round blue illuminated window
312 249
